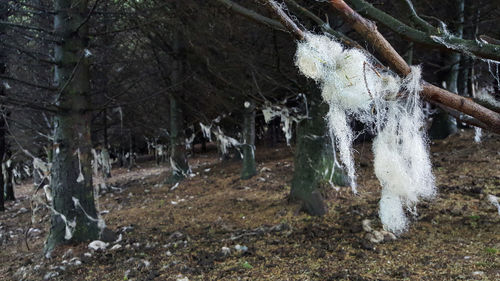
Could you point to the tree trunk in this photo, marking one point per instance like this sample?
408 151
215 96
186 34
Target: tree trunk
71 175
8 179
314 161
178 161
4 8
249 168
130 151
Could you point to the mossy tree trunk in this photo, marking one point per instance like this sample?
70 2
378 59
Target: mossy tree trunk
248 169
314 161
71 174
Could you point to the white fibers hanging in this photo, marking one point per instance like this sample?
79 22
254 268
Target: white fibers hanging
286 117
206 130
390 106
225 142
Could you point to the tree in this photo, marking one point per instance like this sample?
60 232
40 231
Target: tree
178 160
248 169
71 179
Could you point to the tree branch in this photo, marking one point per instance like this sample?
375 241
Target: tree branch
252 15
30 104
436 39
27 83
324 25
416 19
286 20
430 92
434 94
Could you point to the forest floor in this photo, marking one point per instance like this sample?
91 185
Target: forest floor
215 226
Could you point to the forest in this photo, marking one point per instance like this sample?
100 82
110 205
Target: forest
249 140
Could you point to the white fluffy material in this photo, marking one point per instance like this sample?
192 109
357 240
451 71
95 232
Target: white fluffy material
494 201
317 56
270 112
98 245
224 142
392 214
206 130
478 133
354 88
343 135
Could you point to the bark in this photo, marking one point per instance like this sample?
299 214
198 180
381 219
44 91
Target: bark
71 175
248 148
314 160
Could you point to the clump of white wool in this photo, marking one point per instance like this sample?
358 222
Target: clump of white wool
401 161
353 88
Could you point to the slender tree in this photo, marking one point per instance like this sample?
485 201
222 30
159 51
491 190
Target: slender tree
248 169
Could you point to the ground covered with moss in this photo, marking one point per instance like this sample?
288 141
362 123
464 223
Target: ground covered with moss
215 226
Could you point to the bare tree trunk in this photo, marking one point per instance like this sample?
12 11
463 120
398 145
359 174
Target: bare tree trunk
248 169
71 178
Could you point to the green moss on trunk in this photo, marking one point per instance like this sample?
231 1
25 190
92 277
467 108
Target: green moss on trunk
314 161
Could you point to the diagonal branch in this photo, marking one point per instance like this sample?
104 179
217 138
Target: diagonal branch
416 19
325 26
435 39
27 83
286 20
252 15
369 31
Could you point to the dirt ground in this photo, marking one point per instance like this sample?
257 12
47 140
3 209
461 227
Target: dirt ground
215 226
